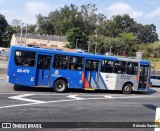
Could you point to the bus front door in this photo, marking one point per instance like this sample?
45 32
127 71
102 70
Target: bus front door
91 74
43 70
143 78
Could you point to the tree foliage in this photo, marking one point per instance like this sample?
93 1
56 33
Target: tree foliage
31 28
4 30
121 33
89 18
76 35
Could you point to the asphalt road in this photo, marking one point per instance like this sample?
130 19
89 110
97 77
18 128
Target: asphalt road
24 104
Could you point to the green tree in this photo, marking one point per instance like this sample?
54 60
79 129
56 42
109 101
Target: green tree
146 33
3 26
120 35
125 24
97 42
111 29
130 40
7 36
119 24
90 18
76 35
44 25
101 22
114 45
31 28
60 21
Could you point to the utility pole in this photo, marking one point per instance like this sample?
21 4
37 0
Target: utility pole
95 50
76 43
21 34
88 46
26 36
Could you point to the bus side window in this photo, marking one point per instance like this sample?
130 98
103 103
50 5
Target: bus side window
64 61
132 68
47 63
88 65
95 65
24 58
75 63
107 66
60 61
40 63
56 65
120 67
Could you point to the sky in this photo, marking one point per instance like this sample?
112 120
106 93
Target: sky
143 11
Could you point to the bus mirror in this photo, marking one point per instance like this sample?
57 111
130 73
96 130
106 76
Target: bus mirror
152 70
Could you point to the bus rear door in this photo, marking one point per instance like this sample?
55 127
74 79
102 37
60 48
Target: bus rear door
144 76
91 73
43 70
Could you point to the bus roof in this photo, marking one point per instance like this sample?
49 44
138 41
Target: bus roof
145 62
50 51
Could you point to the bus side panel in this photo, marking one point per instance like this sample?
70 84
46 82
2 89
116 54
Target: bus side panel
74 78
116 81
38 81
123 78
90 81
10 66
109 79
21 75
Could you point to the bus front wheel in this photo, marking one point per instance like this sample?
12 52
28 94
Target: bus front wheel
127 88
60 86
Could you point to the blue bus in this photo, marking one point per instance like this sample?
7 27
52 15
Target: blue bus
37 67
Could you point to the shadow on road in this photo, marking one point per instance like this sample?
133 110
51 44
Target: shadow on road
150 92
31 89
150 106
42 89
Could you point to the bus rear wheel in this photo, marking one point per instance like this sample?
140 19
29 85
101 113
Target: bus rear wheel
60 86
127 89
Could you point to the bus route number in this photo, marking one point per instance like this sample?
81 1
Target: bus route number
23 70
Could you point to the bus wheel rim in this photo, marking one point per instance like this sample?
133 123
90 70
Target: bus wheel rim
60 86
126 88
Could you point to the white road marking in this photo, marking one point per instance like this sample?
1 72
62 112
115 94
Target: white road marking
20 97
75 97
108 97
9 93
34 103
55 94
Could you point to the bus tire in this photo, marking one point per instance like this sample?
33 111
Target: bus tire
127 88
60 86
